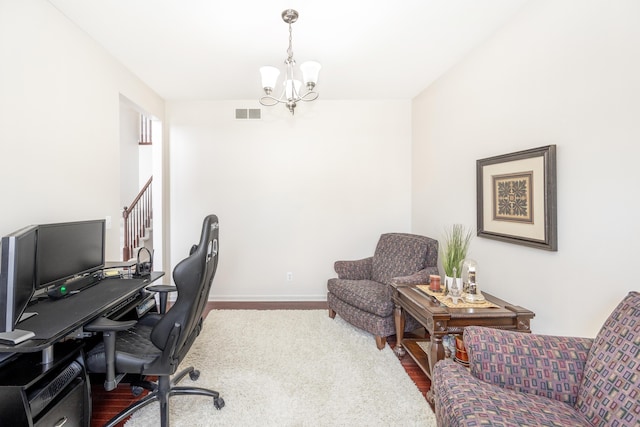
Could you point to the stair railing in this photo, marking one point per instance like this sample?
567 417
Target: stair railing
137 218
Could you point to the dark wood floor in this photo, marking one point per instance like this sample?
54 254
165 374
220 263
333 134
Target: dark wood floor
108 404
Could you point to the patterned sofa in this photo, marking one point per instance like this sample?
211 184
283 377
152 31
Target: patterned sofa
361 294
519 379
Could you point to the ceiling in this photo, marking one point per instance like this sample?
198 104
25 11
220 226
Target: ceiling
208 49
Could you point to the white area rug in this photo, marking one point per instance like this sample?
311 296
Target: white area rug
292 368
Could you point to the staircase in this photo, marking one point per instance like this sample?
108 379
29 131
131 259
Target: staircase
138 223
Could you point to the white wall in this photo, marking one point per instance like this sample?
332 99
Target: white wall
146 163
293 194
129 153
59 120
566 73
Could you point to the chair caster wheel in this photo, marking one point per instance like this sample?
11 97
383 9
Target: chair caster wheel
218 403
136 390
194 375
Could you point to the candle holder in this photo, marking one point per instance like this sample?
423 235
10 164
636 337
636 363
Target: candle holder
469 269
470 281
434 283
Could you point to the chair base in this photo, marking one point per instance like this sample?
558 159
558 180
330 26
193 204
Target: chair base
162 391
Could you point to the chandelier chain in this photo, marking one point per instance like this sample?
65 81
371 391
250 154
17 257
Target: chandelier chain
290 49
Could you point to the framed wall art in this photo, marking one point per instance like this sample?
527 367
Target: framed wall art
517 198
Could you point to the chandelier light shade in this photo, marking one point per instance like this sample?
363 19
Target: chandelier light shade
292 89
269 77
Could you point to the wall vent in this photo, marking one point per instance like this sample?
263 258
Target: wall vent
248 113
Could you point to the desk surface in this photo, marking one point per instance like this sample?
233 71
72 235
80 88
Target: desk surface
55 319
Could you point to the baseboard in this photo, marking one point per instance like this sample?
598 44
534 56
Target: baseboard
267 305
269 298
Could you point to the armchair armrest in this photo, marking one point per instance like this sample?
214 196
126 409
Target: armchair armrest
549 366
419 278
354 270
109 329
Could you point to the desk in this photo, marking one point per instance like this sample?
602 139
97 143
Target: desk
58 318
23 377
439 321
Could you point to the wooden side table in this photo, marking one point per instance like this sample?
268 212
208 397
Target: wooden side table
440 320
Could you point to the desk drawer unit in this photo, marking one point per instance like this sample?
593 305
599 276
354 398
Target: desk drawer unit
69 410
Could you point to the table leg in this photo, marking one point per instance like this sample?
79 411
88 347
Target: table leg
399 320
437 351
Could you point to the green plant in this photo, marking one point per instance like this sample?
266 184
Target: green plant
456 243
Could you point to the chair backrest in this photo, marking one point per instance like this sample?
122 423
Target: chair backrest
610 391
193 277
402 254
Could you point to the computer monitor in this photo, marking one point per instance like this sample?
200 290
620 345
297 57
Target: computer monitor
67 250
17 275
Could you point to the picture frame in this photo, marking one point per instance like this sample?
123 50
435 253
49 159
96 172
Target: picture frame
517 198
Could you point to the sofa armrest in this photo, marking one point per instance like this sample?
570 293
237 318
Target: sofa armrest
419 278
549 366
354 270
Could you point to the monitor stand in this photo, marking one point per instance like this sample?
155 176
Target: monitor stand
27 315
15 337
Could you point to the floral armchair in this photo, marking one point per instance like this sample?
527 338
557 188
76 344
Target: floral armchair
361 294
539 380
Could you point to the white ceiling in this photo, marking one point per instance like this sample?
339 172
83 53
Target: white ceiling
208 49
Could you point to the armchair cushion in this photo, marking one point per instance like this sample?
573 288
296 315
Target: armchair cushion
366 295
399 254
548 366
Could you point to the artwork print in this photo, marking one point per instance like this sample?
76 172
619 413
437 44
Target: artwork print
512 199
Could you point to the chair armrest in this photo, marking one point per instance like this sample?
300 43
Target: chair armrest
163 290
419 278
549 366
103 324
354 270
109 329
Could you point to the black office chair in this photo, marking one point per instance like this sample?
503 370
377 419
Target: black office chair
156 344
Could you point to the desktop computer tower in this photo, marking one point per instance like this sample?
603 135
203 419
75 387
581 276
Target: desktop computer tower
33 393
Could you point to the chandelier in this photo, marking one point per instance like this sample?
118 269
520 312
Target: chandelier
291 93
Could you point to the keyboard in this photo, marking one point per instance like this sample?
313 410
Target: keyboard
114 310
